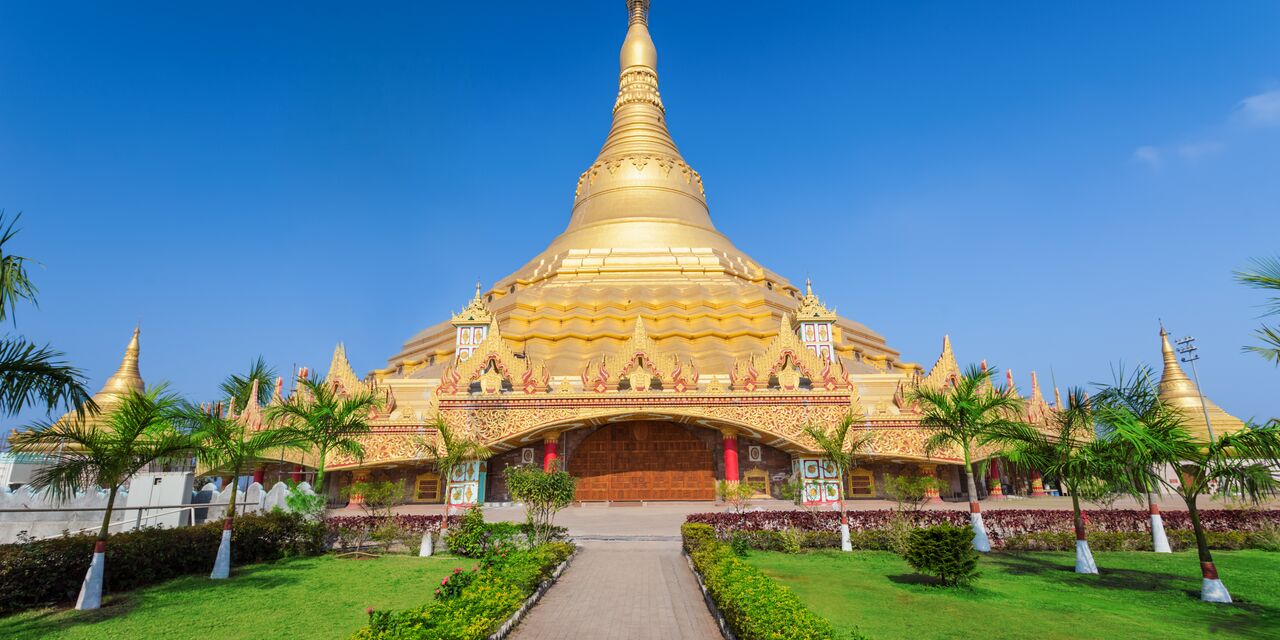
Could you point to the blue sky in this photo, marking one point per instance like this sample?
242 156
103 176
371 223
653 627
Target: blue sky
1041 181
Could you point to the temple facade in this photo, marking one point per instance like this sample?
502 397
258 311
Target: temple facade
648 356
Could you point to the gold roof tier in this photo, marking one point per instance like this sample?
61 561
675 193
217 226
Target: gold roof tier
1179 391
640 244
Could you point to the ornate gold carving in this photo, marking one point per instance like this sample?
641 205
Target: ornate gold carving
639 363
811 308
492 357
945 370
784 353
476 311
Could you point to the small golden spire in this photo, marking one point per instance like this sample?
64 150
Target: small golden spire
1181 392
127 377
808 287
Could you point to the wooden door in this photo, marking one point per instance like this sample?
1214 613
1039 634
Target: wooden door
643 461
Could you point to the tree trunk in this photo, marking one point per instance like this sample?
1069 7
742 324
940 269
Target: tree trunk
91 589
1159 540
222 561
1211 587
1084 557
980 540
845 543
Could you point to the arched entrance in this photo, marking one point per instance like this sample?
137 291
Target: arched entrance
643 460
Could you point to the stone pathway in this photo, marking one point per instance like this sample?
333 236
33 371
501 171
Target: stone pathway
625 590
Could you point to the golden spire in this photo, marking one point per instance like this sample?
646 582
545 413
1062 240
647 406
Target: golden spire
126 378
639 192
945 368
1181 393
340 370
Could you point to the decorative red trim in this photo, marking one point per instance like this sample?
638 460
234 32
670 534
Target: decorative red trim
1209 571
226 524
974 507
100 546
1155 509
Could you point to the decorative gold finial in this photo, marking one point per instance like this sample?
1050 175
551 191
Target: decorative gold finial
639 11
475 313
808 287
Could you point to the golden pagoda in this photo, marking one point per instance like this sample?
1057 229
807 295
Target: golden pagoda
645 353
1179 391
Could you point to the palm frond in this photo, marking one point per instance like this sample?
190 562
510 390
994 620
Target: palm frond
1270 336
15 283
1265 275
238 387
31 374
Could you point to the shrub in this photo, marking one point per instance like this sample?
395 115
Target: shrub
45 572
451 586
944 551
469 538
753 604
739 544
909 492
695 535
735 494
1266 538
543 495
357 527
488 598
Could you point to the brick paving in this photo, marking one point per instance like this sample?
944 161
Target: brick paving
624 590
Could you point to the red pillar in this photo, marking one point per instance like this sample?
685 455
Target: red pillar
355 499
296 474
993 481
259 475
550 451
931 495
1037 485
730 455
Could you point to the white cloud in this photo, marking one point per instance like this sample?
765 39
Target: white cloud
1257 111
1262 110
1197 150
1149 155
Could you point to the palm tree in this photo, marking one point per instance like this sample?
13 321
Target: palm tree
233 445
839 448
31 374
106 451
963 416
1266 275
238 388
1240 463
450 449
1138 395
318 415
1072 452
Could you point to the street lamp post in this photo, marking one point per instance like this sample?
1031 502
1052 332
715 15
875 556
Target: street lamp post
1187 348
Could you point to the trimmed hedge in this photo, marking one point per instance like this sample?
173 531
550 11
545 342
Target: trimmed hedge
418 524
1179 539
47 572
753 604
1003 525
488 599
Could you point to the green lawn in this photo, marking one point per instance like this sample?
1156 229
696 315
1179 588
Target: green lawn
322 597
1037 595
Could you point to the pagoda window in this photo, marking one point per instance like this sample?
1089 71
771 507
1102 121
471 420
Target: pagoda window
468 339
818 339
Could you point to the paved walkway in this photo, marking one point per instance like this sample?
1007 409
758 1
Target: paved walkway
626 590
